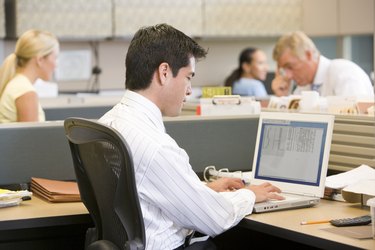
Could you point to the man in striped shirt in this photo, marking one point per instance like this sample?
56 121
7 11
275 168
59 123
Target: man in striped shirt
160 64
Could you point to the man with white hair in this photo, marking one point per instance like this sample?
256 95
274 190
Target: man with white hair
298 59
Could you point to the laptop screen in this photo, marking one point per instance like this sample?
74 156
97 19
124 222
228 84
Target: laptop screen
293 148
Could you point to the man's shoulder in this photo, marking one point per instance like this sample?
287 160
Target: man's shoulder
341 63
133 125
343 67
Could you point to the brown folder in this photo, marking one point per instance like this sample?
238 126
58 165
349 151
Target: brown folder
54 190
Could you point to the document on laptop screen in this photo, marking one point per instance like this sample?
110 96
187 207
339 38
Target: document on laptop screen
292 153
286 147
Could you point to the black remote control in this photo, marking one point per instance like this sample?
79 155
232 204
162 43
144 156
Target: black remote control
347 222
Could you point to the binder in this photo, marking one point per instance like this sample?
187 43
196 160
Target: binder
209 92
229 105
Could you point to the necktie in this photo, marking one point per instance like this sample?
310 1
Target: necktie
316 87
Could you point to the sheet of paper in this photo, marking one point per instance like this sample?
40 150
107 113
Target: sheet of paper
342 180
362 187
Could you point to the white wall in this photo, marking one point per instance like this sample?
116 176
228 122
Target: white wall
221 60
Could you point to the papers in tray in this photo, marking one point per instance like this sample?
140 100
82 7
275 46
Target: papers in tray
55 191
352 185
10 198
342 180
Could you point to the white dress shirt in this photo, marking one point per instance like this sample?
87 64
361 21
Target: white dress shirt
173 199
339 77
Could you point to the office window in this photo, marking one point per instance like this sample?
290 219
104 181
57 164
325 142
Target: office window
327 46
363 52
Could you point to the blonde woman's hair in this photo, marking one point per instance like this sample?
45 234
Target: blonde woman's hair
32 43
298 43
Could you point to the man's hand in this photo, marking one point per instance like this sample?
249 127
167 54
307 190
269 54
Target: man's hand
262 192
226 184
266 191
280 84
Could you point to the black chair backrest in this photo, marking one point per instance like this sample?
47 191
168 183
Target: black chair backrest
104 170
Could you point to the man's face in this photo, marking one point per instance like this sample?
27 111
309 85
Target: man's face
298 69
177 89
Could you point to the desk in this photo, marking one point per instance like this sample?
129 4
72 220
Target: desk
286 225
19 226
38 224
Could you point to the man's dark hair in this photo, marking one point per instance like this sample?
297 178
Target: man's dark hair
154 45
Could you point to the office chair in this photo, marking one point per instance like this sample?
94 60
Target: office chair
104 170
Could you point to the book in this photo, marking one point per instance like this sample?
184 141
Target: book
55 190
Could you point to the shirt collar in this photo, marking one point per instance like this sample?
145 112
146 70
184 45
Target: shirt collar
144 105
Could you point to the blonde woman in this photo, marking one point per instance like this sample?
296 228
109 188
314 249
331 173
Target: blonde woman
34 57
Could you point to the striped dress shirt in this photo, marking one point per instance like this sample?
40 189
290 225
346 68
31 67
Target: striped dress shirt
173 199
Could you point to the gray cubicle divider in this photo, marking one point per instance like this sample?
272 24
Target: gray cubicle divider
34 150
225 142
89 112
42 150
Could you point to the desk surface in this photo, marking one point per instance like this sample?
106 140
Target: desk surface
40 213
286 224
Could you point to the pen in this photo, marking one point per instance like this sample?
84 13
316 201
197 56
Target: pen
314 222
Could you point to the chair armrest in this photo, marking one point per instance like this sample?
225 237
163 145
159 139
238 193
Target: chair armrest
102 245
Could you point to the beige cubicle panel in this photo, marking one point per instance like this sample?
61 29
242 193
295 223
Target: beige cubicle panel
353 142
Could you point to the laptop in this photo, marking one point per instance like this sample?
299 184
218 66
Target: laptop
292 152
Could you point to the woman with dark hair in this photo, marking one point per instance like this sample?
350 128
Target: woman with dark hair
247 79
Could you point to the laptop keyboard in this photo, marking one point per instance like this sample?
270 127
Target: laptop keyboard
288 197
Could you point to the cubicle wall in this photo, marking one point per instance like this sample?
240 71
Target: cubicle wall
34 150
353 142
61 113
86 105
225 142
41 149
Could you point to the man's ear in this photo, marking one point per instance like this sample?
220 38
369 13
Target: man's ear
163 71
309 55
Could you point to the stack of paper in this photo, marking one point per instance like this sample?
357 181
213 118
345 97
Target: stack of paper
55 191
10 198
359 180
350 177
